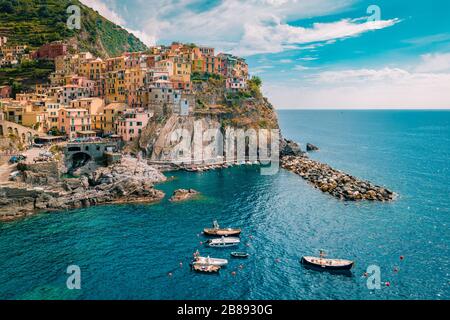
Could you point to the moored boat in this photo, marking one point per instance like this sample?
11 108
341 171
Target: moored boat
242 255
223 242
217 231
206 268
210 261
327 264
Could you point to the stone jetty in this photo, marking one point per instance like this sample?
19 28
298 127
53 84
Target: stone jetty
337 183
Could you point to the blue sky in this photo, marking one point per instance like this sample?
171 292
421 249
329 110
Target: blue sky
313 53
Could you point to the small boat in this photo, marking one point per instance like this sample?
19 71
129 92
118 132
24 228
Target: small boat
216 231
210 261
224 242
206 268
327 264
242 255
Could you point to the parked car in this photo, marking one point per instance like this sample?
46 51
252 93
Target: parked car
17 158
38 145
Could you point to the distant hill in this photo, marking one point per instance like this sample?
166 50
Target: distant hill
36 22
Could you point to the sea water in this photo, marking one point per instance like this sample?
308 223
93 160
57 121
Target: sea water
143 251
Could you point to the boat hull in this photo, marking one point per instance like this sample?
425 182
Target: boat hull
328 264
222 245
222 232
206 269
211 261
240 255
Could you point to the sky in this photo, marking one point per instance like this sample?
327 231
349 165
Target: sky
313 54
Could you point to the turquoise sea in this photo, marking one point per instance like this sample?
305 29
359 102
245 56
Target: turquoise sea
127 252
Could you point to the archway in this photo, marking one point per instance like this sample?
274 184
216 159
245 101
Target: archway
80 159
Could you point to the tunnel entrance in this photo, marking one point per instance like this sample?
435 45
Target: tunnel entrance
79 160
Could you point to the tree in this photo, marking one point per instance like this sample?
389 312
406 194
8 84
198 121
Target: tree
6 7
43 12
256 81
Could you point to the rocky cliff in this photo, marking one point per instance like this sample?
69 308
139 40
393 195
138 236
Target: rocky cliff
130 181
169 136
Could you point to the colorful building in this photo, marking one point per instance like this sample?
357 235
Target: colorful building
131 123
72 92
50 51
72 121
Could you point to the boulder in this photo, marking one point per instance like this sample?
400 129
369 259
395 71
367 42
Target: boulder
290 148
182 195
310 147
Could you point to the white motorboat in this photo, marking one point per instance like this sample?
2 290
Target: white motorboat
210 261
224 242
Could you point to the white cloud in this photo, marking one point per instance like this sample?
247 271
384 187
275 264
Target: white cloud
105 11
226 24
425 85
437 62
277 36
360 75
301 68
112 15
243 27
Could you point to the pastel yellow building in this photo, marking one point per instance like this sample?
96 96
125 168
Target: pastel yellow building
93 105
115 90
106 122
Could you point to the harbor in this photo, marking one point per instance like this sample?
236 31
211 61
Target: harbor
119 248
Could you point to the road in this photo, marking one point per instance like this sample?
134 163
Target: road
6 169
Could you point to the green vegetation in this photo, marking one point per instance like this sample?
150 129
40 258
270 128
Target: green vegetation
26 73
37 22
254 86
199 77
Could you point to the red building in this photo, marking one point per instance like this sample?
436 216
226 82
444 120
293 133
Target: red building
51 51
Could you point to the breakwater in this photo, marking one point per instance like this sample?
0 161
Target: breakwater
334 182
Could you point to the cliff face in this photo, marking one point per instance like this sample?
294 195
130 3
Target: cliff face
179 138
201 135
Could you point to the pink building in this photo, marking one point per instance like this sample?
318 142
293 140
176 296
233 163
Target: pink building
131 124
74 122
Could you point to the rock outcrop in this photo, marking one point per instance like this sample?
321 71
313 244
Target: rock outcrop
183 195
131 181
310 147
290 148
337 183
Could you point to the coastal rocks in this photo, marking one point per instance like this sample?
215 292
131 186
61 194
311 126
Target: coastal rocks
129 167
310 147
290 148
334 182
183 195
131 181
